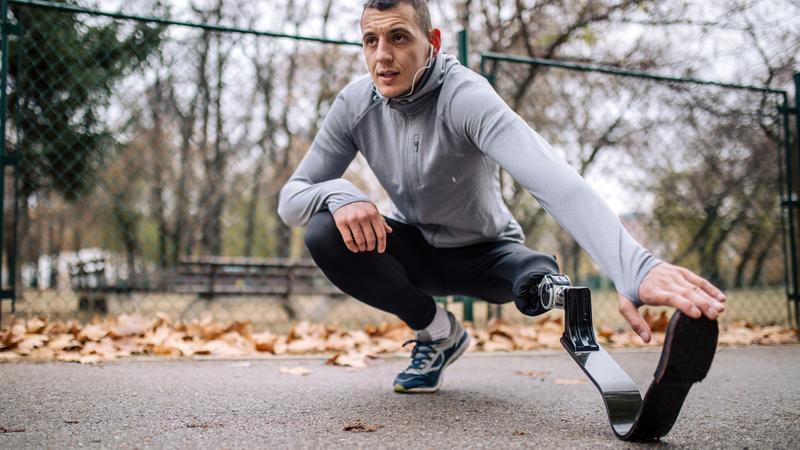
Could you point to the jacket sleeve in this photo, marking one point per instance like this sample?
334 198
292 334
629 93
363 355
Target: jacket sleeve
505 137
316 183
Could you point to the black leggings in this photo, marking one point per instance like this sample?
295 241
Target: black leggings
402 280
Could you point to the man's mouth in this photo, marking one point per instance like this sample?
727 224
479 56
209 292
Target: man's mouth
388 76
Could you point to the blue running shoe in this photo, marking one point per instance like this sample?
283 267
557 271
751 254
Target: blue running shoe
430 358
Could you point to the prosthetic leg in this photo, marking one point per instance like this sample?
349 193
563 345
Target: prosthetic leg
686 357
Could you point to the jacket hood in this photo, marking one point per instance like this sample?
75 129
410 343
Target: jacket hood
431 81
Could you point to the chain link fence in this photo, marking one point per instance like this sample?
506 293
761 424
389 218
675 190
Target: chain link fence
694 169
151 155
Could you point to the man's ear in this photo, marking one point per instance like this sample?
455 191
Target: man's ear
436 40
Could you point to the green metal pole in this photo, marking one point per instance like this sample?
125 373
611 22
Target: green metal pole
793 197
463 57
3 76
463 48
484 71
161 21
3 102
783 149
468 315
619 72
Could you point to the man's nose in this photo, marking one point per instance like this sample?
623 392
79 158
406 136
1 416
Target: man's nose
383 53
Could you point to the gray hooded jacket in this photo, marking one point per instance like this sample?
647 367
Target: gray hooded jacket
437 151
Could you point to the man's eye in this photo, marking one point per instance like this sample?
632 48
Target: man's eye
400 38
370 41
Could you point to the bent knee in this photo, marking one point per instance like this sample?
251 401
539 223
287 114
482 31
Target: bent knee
321 235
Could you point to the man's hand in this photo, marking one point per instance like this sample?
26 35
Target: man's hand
670 285
362 227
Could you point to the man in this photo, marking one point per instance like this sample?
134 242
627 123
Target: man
434 133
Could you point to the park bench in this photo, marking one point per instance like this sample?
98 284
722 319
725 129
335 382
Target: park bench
208 278
89 281
212 277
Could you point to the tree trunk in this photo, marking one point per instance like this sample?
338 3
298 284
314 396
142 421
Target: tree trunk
745 258
157 190
252 208
761 259
212 225
575 258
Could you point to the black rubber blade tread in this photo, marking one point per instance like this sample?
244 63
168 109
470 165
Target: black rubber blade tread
689 348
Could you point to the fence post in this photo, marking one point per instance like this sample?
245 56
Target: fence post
8 251
793 157
463 48
463 58
784 149
468 302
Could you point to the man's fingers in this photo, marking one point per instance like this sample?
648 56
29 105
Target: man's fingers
358 237
702 300
704 284
380 233
631 314
347 237
362 227
369 236
678 301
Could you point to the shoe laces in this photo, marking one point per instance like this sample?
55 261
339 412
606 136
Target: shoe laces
421 355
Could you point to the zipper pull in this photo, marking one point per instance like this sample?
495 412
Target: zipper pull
416 143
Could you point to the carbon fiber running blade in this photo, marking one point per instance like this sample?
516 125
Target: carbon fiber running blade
620 394
689 348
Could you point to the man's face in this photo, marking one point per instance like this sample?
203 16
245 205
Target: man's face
395 48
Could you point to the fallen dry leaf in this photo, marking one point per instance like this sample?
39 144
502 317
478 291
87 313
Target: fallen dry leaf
550 338
353 359
304 346
31 342
221 348
129 325
656 322
569 381
35 325
9 356
77 357
498 342
361 427
295 370
605 331
92 332
109 338
64 342
532 373
264 342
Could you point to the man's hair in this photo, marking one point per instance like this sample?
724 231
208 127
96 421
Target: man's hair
420 8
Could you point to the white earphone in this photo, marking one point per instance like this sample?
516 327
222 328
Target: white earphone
414 79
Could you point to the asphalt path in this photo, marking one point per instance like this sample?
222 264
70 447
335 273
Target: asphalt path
751 399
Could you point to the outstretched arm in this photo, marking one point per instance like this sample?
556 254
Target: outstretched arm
640 277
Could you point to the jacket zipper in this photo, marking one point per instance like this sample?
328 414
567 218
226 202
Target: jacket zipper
417 166
407 169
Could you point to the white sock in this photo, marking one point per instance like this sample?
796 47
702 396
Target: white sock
440 327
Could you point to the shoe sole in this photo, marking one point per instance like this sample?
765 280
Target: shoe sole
429 390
